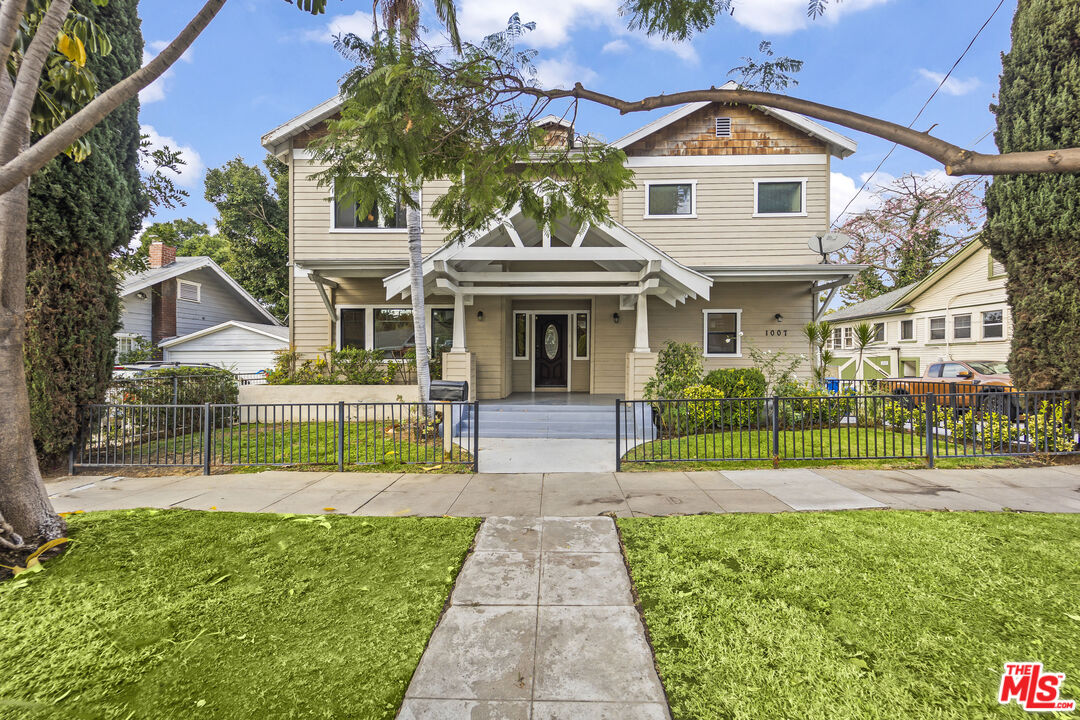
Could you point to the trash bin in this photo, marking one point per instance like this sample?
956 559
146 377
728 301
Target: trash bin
832 385
449 390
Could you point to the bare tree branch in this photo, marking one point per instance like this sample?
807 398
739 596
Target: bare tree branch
957 160
14 129
48 147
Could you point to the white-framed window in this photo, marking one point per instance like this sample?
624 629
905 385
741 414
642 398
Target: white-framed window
961 327
126 342
521 336
670 199
581 335
723 127
346 217
189 291
937 328
849 338
879 332
722 336
389 329
837 339
780 197
907 329
993 324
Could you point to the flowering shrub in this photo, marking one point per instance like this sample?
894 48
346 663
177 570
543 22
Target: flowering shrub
678 366
348 366
1051 432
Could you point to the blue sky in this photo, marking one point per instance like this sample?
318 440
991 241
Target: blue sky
261 62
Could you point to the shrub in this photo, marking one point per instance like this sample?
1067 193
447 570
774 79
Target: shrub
348 366
737 382
678 366
141 349
1051 431
192 386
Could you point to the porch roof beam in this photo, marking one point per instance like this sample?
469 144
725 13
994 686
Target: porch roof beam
650 284
541 254
545 277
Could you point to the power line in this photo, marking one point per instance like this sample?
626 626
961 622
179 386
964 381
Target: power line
919 114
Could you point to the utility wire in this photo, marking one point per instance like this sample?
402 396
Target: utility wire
919 114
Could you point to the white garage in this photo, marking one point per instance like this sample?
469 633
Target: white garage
242 347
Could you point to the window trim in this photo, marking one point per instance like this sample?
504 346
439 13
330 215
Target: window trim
759 181
588 334
910 338
849 338
969 327
705 332
693 200
198 290
528 336
930 329
364 231
982 325
369 321
884 333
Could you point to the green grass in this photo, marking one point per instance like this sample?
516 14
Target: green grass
180 614
379 446
855 615
847 447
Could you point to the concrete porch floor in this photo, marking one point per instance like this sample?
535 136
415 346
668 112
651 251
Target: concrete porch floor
1045 489
556 398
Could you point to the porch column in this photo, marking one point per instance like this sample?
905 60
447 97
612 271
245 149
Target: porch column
641 325
459 323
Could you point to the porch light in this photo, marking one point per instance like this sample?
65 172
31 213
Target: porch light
480 315
779 317
615 318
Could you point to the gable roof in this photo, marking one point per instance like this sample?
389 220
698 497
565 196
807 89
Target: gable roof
941 271
134 282
880 305
277 332
839 145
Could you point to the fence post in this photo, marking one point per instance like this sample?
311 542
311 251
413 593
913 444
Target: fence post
208 439
618 435
930 404
175 389
476 436
774 411
341 436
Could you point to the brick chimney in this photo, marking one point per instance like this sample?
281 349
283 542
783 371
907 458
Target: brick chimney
161 255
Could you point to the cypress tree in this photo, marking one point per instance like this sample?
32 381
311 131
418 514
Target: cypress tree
1033 221
79 214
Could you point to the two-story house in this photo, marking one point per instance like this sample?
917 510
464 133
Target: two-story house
709 247
193 311
960 311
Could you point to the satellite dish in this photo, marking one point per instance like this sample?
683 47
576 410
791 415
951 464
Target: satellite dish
825 243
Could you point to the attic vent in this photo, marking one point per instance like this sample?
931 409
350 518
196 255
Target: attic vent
723 127
189 291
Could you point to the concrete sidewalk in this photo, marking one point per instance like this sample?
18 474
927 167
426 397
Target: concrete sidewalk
1039 489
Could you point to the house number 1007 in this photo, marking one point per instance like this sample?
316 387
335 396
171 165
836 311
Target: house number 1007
776 333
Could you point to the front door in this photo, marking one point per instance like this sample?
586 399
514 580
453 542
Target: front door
550 351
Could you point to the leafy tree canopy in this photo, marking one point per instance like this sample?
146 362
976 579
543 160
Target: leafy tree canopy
681 19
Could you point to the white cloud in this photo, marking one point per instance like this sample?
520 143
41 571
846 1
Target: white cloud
191 173
156 90
563 73
952 86
358 23
554 19
618 45
780 17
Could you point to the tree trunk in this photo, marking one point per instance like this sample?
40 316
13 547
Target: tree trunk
26 516
416 275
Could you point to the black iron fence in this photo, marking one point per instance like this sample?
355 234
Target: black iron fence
230 435
848 426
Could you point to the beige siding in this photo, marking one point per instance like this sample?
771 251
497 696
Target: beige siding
611 343
725 231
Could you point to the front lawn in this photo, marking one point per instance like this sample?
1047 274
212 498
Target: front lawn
855 615
181 614
844 446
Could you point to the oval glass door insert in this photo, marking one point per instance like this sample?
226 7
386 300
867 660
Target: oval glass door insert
551 341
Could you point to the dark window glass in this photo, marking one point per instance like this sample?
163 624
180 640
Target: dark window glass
671 199
393 331
779 197
879 332
521 335
347 216
993 324
352 328
721 333
442 331
907 329
581 330
952 370
962 327
934 371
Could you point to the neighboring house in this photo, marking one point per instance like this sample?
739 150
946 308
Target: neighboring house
710 247
239 346
178 296
958 312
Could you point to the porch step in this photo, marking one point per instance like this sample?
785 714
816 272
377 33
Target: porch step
546 421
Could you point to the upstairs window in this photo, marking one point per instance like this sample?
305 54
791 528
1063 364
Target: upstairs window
670 200
723 127
774 198
907 329
993 324
347 216
879 332
190 291
937 328
837 341
961 327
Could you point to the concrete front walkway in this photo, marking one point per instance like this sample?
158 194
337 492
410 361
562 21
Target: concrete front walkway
1041 489
541 625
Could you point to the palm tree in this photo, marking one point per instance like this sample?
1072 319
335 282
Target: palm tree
403 16
864 335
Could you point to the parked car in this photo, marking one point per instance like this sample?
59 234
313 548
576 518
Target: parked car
981 384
